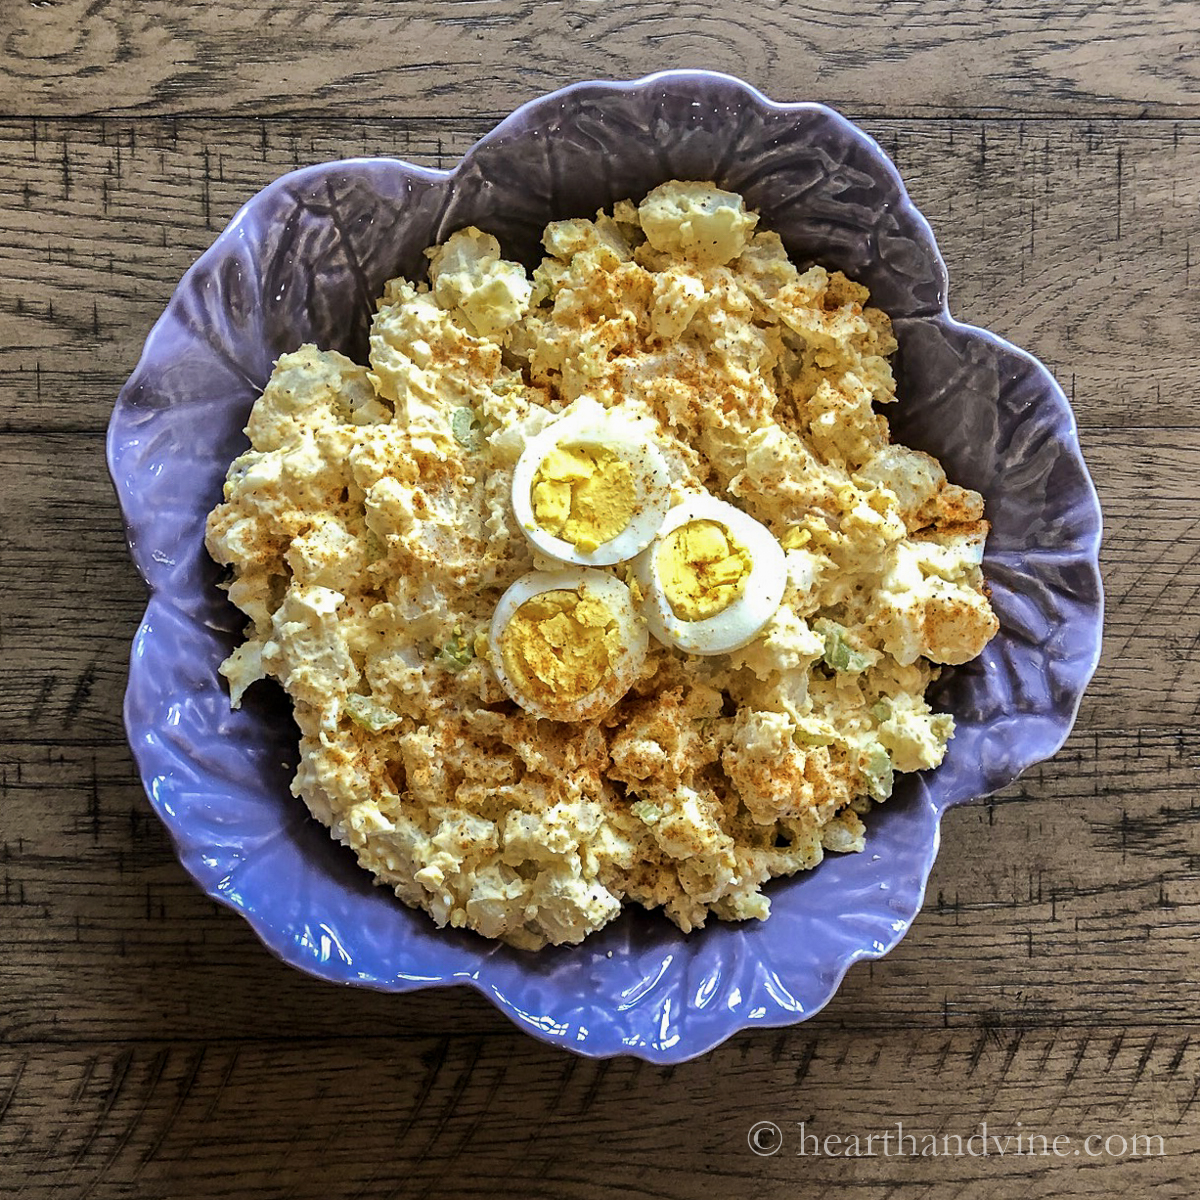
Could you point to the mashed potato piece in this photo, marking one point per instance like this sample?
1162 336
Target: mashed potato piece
371 533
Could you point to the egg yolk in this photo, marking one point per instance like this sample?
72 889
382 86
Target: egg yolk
584 495
560 646
702 569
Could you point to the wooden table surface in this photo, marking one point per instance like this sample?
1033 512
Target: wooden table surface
150 1047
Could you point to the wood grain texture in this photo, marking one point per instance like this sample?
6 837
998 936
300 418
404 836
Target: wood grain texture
430 57
384 1117
63 657
1066 900
1074 239
151 1048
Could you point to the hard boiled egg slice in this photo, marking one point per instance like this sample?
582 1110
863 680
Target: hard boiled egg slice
712 579
591 488
567 644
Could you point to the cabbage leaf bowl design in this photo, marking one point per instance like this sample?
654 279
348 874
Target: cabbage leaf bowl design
304 261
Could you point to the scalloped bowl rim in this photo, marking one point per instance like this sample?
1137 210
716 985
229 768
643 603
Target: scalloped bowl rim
739 1021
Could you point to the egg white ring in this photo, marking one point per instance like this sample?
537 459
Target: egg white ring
739 623
652 485
616 597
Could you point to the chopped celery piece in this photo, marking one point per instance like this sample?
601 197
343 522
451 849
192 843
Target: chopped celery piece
369 713
811 731
464 424
645 811
878 772
374 546
456 654
839 654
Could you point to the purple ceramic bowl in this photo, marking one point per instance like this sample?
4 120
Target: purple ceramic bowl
303 261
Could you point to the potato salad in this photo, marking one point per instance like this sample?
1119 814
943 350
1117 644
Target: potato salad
604 584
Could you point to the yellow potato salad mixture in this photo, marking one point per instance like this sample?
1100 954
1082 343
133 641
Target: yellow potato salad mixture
603 585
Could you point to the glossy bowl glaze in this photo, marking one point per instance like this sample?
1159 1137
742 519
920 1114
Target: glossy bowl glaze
303 261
